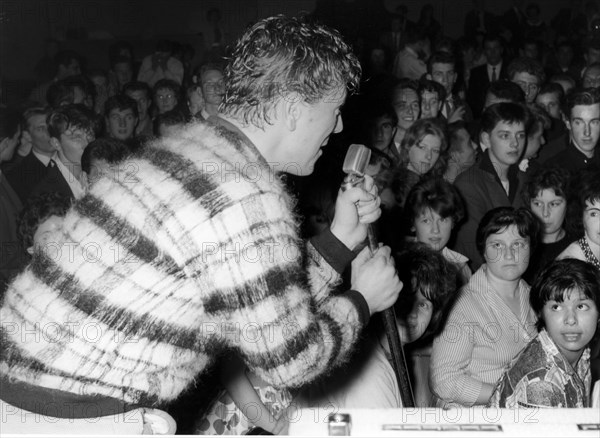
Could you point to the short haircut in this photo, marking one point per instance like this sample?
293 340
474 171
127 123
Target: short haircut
585 188
553 88
500 218
432 87
107 149
526 65
32 112
404 84
82 82
10 119
37 210
170 118
419 130
453 129
208 67
116 48
133 86
564 77
507 112
427 271
492 37
506 90
435 194
120 102
581 96
440 58
561 278
551 178
280 55
71 116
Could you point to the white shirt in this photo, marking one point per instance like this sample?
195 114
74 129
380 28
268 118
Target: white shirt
77 186
490 70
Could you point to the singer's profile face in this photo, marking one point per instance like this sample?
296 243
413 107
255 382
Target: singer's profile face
314 126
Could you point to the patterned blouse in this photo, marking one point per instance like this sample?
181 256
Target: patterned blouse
541 377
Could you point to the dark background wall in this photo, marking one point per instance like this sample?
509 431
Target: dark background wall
90 25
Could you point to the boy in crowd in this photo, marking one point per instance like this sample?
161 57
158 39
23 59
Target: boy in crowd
142 94
121 116
495 181
442 69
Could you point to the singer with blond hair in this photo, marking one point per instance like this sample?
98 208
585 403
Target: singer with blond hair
193 253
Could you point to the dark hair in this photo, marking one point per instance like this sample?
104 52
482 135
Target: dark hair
580 96
440 58
498 219
540 119
170 118
507 112
561 278
491 36
71 116
552 178
121 60
167 84
585 188
279 55
120 102
65 57
526 65
37 210
420 129
506 90
553 88
432 87
435 194
405 84
107 149
133 86
10 120
427 271
115 49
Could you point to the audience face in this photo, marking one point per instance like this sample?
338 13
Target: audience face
120 124
584 125
591 222
143 102
591 77
535 140
531 51
571 323
506 142
196 101
407 107
382 133
73 142
529 83
432 229
444 75
417 320
213 87
44 232
430 104
423 155
550 209
493 52
123 73
73 68
165 100
550 102
37 132
507 254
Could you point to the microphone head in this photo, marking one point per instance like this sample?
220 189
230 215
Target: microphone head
356 160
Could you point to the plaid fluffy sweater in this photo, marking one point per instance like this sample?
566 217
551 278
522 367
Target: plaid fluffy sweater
189 251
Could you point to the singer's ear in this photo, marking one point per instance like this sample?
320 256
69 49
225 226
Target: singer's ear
292 109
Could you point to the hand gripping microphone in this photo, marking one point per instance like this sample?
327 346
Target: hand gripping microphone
355 164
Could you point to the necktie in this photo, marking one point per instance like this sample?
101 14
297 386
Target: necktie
447 109
494 77
52 163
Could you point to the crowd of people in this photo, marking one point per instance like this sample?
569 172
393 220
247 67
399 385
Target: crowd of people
194 218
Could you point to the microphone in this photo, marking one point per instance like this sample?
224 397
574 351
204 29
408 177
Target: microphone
355 164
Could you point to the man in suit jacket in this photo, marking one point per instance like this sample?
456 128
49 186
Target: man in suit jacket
71 129
495 180
441 69
29 170
482 76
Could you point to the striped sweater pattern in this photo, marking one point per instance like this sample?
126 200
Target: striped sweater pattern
191 250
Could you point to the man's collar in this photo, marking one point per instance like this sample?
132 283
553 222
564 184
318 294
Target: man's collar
44 159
